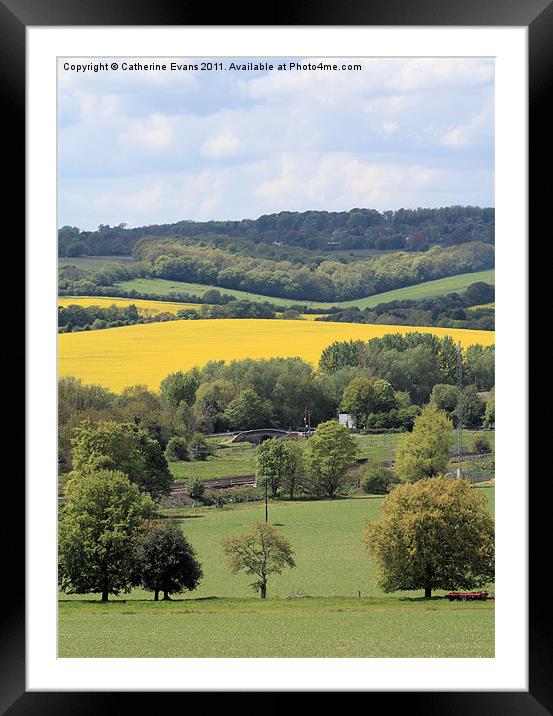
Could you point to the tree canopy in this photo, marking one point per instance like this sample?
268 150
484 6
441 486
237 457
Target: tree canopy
433 534
425 451
111 445
96 544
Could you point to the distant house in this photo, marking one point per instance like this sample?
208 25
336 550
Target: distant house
347 420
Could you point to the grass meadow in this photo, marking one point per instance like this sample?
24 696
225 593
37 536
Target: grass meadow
438 287
301 628
313 610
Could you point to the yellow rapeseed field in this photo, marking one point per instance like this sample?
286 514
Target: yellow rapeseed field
146 353
144 307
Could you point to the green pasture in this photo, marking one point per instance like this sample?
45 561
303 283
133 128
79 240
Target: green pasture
438 287
313 610
326 536
320 627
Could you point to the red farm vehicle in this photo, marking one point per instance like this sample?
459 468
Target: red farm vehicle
468 596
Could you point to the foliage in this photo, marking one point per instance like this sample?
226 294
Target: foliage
261 551
434 534
445 397
482 444
425 451
329 455
177 449
179 387
248 411
471 408
340 354
378 480
280 463
110 445
489 413
196 488
165 561
479 366
96 533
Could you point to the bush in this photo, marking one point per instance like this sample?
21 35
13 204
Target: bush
196 487
482 444
177 450
378 480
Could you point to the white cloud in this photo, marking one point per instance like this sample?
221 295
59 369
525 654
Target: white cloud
465 135
389 128
160 147
154 132
222 146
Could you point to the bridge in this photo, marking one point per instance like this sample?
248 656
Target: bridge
258 436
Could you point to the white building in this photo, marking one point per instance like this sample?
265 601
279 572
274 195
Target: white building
347 420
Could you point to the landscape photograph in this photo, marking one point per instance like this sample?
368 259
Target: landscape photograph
276 357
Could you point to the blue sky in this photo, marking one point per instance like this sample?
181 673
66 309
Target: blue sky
159 147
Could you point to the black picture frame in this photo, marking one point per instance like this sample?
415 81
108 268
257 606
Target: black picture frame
537 15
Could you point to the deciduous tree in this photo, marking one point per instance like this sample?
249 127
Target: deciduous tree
330 453
261 551
434 534
165 561
425 451
102 513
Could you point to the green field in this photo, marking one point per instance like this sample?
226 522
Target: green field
239 459
326 536
313 610
285 628
439 287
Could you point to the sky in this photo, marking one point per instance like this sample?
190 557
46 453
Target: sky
147 147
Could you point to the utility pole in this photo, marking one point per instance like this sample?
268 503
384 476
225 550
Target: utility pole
459 406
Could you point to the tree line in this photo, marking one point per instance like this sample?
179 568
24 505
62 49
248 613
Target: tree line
359 228
328 280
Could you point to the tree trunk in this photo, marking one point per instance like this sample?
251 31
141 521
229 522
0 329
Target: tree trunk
105 595
264 589
156 595
427 592
166 596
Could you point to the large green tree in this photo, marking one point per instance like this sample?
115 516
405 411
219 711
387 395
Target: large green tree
97 531
279 462
111 445
425 451
434 534
359 400
165 561
329 455
261 551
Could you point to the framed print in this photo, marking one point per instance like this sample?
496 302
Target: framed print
263 310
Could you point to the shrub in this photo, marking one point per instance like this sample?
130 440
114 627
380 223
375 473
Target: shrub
196 487
378 480
177 450
482 444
